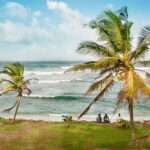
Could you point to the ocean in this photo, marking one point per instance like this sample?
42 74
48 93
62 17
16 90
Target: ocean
58 93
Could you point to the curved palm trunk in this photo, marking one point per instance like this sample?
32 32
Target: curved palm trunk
19 98
132 120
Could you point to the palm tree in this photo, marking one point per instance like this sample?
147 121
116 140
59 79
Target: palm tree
116 60
14 81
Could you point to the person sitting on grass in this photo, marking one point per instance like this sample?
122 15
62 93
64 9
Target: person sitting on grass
119 118
99 118
106 119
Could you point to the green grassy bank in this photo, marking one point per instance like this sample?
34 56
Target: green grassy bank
40 135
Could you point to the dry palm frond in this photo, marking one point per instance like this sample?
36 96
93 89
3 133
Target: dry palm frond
102 92
85 66
9 109
98 84
144 63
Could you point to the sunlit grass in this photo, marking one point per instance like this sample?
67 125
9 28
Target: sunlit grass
40 135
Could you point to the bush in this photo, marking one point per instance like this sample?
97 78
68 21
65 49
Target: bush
67 118
123 123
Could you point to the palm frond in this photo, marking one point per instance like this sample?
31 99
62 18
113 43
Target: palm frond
104 35
141 71
28 80
7 88
101 93
114 26
15 69
143 42
106 62
19 68
148 75
126 36
142 87
6 72
98 84
11 68
105 71
85 66
144 62
29 91
123 13
90 47
134 87
9 109
119 103
144 36
95 66
6 80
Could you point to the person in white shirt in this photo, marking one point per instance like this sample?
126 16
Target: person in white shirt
119 118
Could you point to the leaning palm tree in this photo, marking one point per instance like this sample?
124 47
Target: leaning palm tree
116 60
14 81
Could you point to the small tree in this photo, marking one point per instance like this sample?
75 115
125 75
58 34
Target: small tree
14 81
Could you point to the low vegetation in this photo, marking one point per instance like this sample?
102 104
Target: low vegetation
38 135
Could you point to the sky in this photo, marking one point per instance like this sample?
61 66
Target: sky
49 30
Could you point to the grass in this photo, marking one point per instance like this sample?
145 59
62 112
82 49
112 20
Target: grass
40 135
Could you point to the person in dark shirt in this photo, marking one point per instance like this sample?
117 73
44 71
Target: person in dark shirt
99 118
106 119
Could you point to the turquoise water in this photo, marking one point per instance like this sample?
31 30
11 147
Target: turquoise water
57 92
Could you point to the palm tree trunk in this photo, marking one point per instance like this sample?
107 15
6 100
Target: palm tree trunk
132 120
19 98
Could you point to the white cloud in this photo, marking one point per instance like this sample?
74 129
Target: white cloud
34 22
41 38
15 9
72 21
110 6
70 29
37 13
65 11
57 5
18 32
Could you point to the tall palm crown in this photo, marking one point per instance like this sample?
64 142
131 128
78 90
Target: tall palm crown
116 59
14 81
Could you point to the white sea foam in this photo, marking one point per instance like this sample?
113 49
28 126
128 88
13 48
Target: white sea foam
43 72
65 67
54 81
38 96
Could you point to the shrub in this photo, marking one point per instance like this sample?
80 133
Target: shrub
67 118
123 123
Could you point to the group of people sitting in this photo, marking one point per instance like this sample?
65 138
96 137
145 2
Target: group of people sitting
105 119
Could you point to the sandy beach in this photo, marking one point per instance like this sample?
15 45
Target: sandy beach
58 117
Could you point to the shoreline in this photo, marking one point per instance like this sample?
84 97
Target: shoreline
58 117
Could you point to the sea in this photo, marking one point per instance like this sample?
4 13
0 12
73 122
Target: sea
57 93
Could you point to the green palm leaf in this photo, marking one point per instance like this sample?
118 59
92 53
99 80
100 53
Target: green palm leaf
90 47
143 42
14 81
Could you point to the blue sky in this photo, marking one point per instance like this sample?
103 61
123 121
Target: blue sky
51 30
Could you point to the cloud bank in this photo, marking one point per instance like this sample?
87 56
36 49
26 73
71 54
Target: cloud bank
34 35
